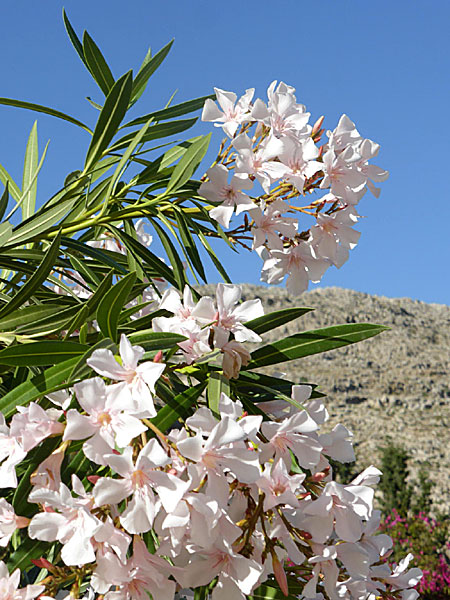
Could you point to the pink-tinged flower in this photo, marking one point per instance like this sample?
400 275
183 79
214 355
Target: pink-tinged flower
234 112
32 424
334 232
259 162
299 156
324 563
341 174
140 379
401 578
140 480
344 135
235 355
279 487
107 422
143 574
230 315
48 473
9 522
343 507
195 519
229 195
224 449
283 115
9 589
271 226
299 263
73 525
292 434
237 575
12 450
111 547
338 444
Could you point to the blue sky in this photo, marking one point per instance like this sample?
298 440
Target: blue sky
384 63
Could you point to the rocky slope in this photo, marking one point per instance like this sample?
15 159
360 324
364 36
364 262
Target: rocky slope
394 386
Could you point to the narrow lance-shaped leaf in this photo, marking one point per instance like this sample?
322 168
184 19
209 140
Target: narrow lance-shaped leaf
50 380
97 64
4 200
147 70
189 243
155 132
217 384
114 109
31 184
7 180
111 305
40 222
177 110
35 281
145 255
312 342
49 352
44 109
188 164
276 319
74 39
179 407
29 169
172 254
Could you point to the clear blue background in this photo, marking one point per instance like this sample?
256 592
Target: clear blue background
384 63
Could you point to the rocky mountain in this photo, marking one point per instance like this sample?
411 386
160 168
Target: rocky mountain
395 386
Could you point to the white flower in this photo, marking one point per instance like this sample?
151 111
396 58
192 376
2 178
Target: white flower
140 379
108 420
230 195
234 112
9 586
9 522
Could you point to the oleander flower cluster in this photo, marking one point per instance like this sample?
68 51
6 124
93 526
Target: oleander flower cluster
272 146
226 499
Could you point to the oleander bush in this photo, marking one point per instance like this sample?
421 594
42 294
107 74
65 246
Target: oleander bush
143 452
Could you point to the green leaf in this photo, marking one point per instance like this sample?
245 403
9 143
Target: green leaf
44 109
155 132
152 340
179 407
270 592
50 380
74 39
38 454
97 64
188 164
217 384
112 113
275 319
189 244
49 352
217 263
173 256
101 256
7 180
177 110
28 549
4 200
40 222
147 70
5 233
110 306
146 255
125 158
28 314
81 369
312 342
78 321
36 280
28 178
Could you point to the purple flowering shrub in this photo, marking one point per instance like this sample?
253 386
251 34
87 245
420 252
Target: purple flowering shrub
428 539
